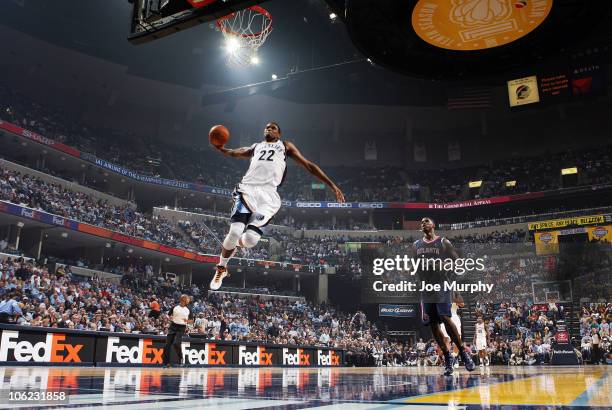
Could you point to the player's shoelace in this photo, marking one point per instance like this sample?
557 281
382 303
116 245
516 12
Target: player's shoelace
219 273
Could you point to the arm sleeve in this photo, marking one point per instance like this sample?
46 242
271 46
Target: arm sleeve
191 315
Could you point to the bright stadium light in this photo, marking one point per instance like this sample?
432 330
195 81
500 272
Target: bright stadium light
254 60
333 16
232 45
274 76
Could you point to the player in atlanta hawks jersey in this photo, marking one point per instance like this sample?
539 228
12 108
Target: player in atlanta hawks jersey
256 199
436 305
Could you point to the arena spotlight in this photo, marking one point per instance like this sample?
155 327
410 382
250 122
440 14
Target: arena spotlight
274 76
232 45
255 60
333 16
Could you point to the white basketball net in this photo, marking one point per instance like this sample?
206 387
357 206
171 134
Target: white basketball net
245 31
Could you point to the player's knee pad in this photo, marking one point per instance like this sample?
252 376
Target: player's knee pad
251 236
233 236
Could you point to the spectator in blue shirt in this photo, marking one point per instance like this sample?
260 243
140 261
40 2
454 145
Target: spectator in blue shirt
10 309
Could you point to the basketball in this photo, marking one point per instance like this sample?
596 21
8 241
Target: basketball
218 135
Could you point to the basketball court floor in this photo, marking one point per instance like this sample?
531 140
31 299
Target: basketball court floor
339 388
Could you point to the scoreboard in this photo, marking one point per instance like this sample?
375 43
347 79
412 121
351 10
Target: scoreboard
558 86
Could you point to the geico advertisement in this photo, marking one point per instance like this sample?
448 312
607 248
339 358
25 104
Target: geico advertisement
125 350
206 353
43 347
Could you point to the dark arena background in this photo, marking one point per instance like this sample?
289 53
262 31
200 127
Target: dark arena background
484 122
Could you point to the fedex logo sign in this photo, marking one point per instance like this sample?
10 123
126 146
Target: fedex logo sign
299 358
257 358
331 358
143 353
54 349
209 355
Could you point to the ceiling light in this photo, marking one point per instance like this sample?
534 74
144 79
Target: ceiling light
232 45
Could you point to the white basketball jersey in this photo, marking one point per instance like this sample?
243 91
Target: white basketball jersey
480 331
268 165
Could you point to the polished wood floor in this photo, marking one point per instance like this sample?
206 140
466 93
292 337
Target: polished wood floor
339 388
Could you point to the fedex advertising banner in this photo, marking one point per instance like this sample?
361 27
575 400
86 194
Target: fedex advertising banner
51 346
28 345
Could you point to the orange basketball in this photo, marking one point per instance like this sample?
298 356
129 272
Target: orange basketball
218 135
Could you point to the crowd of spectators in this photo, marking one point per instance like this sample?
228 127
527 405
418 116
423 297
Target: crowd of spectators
35 296
519 333
53 198
200 164
206 236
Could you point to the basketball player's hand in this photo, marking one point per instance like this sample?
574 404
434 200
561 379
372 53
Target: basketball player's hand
339 194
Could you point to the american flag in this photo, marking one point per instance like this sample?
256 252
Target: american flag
468 98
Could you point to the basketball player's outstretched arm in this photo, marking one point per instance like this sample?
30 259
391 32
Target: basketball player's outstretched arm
244 152
313 168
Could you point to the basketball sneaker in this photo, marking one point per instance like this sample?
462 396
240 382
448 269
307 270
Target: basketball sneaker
448 364
448 369
467 361
217 280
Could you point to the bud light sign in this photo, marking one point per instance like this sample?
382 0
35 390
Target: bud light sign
397 310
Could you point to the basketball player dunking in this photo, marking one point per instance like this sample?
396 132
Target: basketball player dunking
256 200
436 306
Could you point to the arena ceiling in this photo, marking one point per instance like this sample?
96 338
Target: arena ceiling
475 39
319 61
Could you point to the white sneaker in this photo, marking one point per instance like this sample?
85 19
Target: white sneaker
217 280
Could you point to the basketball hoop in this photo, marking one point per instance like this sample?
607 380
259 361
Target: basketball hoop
245 31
